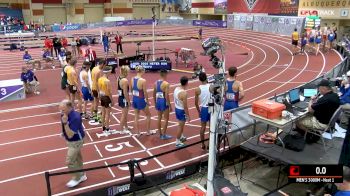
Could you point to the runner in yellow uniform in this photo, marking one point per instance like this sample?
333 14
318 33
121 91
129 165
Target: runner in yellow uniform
105 92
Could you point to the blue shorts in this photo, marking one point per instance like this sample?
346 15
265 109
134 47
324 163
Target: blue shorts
180 114
318 41
312 39
229 105
138 103
205 116
122 102
86 94
161 105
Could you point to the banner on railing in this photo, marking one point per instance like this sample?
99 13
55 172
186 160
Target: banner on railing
57 28
134 22
210 23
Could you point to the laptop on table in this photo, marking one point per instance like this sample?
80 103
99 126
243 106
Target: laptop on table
294 98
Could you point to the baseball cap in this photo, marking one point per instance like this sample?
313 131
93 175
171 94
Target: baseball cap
324 82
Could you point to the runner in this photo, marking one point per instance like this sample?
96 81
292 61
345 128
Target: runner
295 40
105 92
233 90
64 83
318 41
202 96
86 89
331 38
123 97
73 84
303 42
140 100
95 75
181 110
162 103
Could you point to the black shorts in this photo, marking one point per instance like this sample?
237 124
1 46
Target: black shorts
106 101
95 93
122 102
72 89
64 85
295 42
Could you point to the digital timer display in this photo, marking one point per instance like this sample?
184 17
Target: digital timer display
315 173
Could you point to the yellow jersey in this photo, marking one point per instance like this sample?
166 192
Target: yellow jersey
295 36
94 73
102 86
70 78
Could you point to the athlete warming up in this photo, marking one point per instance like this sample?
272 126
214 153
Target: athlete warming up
233 90
86 88
202 97
140 100
96 73
181 110
105 92
162 103
123 97
73 85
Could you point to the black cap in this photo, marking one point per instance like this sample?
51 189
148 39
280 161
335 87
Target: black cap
324 82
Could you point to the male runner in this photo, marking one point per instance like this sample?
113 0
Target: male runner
95 75
162 103
202 97
181 110
295 40
85 88
105 92
233 90
73 85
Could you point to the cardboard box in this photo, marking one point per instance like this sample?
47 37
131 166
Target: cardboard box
268 109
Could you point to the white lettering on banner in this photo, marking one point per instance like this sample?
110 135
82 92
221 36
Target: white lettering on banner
324 3
317 12
110 148
126 168
118 189
173 174
3 91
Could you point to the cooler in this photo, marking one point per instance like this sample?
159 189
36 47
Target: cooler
268 109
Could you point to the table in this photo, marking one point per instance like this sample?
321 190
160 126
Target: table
11 90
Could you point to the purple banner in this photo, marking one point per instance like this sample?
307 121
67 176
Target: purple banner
134 22
210 23
8 90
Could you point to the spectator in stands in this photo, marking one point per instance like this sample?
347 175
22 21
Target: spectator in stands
48 58
29 60
48 44
73 132
118 41
30 81
57 45
91 57
73 43
64 42
79 45
105 42
320 109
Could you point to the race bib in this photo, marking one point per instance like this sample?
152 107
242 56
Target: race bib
74 88
230 96
120 92
135 93
102 93
160 95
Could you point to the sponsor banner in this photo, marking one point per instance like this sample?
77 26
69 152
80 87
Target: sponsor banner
325 13
134 22
175 22
57 28
324 4
101 24
151 65
289 7
210 23
220 6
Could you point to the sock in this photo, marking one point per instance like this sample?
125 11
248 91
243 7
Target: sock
182 136
177 141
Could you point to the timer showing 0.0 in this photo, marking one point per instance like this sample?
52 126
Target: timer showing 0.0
332 173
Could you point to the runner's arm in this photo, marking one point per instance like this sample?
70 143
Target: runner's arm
184 100
167 95
125 90
86 80
155 93
145 92
196 99
109 90
241 91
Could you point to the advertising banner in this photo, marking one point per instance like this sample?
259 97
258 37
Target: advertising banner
326 9
210 23
57 28
220 6
289 7
134 22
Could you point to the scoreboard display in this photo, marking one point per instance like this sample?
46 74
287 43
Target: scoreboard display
151 65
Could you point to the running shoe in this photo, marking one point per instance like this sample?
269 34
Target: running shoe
180 145
165 137
183 138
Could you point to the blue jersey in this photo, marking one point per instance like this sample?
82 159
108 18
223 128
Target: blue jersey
138 97
230 97
161 103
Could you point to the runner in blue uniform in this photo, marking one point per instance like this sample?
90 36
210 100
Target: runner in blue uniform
162 103
140 99
233 90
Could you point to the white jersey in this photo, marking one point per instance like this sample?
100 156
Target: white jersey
204 97
83 83
178 103
90 79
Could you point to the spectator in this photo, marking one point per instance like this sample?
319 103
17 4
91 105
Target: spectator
48 58
29 60
105 42
48 44
30 81
73 43
73 132
91 57
64 42
79 45
321 109
118 41
57 45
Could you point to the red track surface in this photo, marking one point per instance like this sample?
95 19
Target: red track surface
30 139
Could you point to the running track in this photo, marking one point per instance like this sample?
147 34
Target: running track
30 139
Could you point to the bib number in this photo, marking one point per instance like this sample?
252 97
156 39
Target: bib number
135 93
74 88
230 96
102 93
160 95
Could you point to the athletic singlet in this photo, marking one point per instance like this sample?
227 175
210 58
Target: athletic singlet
136 92
102 86
82 81
159 93
70 78
295 36
94 72
312 33
230 94
204 97
178 103
318 35
120 90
